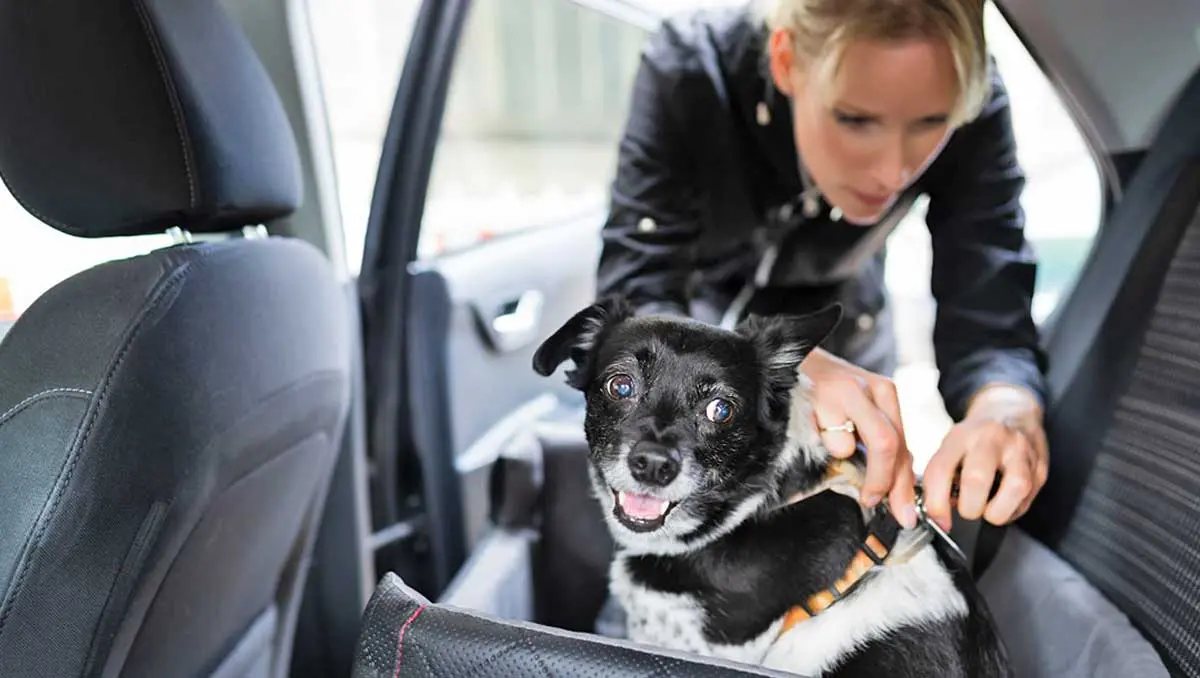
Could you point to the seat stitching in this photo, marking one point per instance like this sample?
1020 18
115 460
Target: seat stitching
172 95
81 439
180 131
400 639
50 392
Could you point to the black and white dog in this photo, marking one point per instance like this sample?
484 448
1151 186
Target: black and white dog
706 462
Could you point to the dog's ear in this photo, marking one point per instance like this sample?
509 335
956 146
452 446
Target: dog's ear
784 341
577 339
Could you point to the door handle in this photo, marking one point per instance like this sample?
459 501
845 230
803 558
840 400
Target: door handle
516 327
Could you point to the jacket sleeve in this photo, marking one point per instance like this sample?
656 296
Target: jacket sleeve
984 269
649 235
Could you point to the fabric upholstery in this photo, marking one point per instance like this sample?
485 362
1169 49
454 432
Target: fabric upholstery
168 422
126 117
167 427
1137 523
1055 623
1121 501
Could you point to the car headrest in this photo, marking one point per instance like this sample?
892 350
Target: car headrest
129 117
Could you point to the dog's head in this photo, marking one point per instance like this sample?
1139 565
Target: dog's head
691 427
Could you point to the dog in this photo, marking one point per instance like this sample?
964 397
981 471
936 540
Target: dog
738 536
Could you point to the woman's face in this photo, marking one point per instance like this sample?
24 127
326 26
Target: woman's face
866 134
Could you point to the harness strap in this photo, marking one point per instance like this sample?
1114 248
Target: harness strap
878 548
882 533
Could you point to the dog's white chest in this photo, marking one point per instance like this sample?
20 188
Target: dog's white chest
902 595
898 596
676 621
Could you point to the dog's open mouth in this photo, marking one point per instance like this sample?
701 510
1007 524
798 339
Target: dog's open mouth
641 512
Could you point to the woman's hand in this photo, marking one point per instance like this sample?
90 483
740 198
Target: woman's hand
1002 432
843 392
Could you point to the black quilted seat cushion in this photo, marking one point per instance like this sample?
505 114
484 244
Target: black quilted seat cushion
405 636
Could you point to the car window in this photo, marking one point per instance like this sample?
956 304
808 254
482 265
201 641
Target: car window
34 257
360 47
537 97
1063 203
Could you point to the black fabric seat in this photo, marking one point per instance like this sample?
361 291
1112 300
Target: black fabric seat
1122 503
168 423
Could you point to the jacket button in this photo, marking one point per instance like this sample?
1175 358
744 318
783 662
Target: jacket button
865 322
646 225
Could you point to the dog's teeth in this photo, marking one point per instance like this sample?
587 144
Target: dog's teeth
641 506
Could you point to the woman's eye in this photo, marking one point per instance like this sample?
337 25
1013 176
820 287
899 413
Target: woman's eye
619 387
850 120
719 411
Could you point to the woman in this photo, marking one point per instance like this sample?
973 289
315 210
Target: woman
768 154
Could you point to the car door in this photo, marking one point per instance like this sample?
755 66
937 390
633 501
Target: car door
483 238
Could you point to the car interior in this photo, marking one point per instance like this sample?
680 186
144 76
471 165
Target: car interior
272 273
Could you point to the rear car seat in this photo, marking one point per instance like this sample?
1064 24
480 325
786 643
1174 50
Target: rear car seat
1120 505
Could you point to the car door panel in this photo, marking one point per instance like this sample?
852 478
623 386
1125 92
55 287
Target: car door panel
524 285
553 271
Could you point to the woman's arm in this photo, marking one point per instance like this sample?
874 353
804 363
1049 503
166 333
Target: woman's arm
985 339
983 267
652 226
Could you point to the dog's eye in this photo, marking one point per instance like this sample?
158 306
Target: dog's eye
619 387
719 410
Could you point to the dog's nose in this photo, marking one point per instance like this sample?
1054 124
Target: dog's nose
654 464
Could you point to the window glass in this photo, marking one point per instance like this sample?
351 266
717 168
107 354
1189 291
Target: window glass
538 95
34 257
360 48
1063 209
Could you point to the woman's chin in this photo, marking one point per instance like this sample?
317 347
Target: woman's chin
861 217
858 214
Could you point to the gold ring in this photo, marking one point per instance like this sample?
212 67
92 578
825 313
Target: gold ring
848 427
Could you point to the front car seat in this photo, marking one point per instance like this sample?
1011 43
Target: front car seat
168 422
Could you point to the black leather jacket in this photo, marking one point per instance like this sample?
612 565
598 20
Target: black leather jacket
701 183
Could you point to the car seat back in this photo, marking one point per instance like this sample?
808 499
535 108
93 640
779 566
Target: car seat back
1121 501
168 422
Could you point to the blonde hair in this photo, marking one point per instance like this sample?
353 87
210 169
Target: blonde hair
821 29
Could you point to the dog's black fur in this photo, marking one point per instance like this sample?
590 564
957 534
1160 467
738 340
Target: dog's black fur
729 541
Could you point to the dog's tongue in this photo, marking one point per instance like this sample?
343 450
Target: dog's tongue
641 506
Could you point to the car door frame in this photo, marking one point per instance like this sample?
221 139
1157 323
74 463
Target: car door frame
415 501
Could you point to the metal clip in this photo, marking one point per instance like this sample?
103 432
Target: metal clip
179 236
924 519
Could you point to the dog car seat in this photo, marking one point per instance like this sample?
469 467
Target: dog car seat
406 636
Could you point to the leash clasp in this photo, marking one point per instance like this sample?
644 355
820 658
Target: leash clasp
929 524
